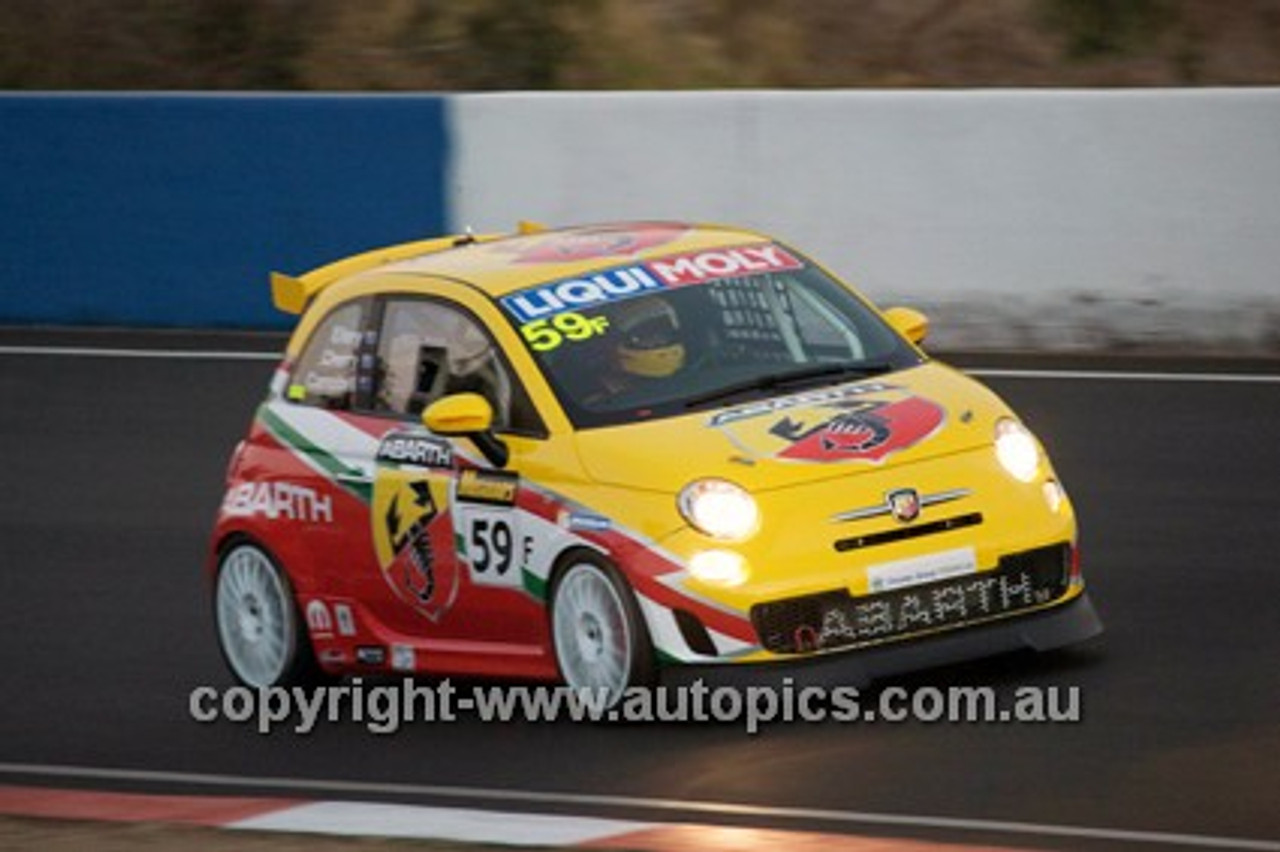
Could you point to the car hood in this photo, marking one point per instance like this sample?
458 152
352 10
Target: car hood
807 436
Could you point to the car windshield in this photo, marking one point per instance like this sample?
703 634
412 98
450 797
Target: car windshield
663 338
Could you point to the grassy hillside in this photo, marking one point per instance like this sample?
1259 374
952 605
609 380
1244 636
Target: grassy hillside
467 45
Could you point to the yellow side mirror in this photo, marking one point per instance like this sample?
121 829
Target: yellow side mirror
468 415
459 414
908 322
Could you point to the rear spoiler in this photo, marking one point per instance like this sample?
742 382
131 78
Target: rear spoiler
291 294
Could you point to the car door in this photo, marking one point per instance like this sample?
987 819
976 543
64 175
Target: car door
446 529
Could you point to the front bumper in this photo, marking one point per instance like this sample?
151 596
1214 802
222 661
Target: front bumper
1062 625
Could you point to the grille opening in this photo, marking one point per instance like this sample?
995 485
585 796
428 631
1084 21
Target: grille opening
1043 560
945 525
836 619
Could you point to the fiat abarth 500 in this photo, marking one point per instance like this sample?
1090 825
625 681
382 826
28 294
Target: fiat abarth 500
601 454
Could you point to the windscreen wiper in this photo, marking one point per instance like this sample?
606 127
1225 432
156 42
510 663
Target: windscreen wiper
782 381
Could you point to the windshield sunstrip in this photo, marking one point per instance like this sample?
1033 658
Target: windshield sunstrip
624 282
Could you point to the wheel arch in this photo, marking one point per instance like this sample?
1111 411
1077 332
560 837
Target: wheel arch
605 561
301 582
301 664
603 558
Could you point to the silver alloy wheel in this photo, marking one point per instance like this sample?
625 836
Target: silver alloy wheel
255 616
594 645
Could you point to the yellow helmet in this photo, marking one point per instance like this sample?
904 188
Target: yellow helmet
650 338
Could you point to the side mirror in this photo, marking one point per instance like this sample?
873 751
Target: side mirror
467 415
908 322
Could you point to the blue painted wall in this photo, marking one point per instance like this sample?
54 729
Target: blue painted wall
170 210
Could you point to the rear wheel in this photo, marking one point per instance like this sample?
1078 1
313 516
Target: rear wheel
601 640
262 638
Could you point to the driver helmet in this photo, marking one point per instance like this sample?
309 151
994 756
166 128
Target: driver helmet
649 338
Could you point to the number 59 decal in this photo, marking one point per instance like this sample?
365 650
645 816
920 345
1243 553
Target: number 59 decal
489 544
546 334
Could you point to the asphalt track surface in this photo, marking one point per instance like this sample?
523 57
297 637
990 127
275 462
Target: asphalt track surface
112 467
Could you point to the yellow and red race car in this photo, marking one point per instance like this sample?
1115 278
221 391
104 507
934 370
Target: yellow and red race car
596 453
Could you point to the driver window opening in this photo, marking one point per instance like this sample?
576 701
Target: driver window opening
428 350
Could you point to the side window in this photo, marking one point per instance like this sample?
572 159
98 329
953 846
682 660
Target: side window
825 334
427 350
327 373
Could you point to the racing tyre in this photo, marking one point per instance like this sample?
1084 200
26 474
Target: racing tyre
261 636
601 640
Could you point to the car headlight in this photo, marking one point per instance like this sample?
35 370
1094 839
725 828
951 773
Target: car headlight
719 509
1017 450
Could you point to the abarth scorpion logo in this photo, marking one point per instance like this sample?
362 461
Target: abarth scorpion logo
864 422
420 576
904 504
860 429
857 431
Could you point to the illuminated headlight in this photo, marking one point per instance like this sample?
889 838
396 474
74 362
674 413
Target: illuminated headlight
1017 450
718 568
719 509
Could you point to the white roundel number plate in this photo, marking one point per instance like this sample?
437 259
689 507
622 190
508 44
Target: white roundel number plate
486 520
490 546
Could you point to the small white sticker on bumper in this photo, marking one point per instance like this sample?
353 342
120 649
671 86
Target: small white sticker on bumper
922 569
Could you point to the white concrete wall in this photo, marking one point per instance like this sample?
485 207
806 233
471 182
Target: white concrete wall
1046 219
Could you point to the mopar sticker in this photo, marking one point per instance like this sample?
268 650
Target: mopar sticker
318 619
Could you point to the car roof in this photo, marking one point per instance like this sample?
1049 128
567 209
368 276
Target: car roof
503 264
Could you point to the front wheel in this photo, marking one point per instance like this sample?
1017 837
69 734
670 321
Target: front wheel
261 636
601 641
